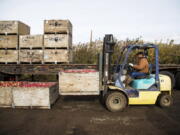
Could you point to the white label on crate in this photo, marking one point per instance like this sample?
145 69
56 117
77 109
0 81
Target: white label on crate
46 57
106 73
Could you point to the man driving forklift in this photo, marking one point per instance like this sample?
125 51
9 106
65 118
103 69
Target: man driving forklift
142 66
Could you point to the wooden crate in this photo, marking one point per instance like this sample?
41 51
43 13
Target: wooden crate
28 94
57 41
30 56
35 96
57 55
6 98
8 41
8 56
14 27
57 26
79 82
31 41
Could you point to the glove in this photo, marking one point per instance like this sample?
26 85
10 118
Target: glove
130 64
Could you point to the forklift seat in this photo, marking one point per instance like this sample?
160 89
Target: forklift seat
143 83
151 66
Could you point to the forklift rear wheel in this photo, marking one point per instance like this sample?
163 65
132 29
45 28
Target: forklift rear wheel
115 101
165 100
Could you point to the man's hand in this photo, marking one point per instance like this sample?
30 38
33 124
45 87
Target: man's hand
130 64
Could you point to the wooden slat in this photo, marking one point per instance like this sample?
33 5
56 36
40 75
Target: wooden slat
57 41
58 55
8 56
8 41
14 27
23 29
31 56
57 26
31 41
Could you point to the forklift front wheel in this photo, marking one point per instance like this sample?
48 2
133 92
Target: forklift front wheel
115 101
165 100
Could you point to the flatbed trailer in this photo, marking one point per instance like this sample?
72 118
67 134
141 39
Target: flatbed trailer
172 70
41 69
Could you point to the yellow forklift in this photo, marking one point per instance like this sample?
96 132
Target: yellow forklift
152 89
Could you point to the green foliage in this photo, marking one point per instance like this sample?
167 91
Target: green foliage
88 53
169 54
85 54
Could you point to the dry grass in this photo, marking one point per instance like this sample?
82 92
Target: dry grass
88 54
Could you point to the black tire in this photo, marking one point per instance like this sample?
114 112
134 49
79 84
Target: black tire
171 76
115 101
178 80
2 76
102 99
165 100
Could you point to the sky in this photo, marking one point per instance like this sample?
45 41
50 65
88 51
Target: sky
152 20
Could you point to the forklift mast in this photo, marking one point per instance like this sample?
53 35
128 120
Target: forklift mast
108 49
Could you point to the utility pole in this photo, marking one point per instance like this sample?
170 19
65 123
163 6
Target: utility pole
91 38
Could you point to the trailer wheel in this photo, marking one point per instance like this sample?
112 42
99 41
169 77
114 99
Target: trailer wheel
115 101
178 80
1 77
165 100
171 76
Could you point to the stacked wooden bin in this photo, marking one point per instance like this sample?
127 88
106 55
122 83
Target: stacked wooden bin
57 41
18 46
9 40
31 49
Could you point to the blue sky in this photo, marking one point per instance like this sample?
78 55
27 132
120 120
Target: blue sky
150 19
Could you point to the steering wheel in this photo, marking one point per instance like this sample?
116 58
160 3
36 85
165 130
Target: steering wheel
130 69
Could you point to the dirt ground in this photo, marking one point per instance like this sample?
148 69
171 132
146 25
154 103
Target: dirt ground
86 116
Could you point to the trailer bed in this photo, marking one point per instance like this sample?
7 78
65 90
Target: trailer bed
18 69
